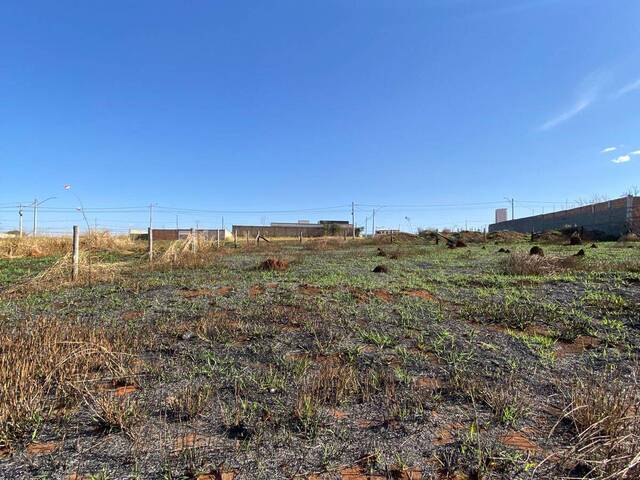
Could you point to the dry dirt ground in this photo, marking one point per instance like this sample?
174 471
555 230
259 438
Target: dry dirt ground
461 363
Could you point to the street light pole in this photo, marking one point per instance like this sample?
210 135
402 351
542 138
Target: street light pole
36 204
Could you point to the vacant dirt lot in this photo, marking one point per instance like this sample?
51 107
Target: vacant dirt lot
447 363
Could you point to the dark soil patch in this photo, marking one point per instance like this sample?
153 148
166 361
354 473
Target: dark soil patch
381 269
579 345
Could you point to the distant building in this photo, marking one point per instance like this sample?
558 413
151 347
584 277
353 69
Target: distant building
501 215
609 219
387 231
324 228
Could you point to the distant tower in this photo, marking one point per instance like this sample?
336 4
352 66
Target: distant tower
501 215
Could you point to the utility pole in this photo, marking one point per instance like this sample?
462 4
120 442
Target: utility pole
151 215
35 217
513 210
366 221
177 227
20 214
353 219
373 223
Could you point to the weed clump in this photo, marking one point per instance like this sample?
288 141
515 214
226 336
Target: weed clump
605 414
575 239
274 264
536 250
533 264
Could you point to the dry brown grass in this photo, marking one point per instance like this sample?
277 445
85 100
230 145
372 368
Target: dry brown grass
324 243
115 413
57 246
105 241
34 247
59 274
605 414
191 252
189 402
525 264
46 364
331 384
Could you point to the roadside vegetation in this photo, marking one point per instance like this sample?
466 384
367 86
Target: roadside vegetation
307 360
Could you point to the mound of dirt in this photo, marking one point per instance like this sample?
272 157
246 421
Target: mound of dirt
580 253
381 269
457 243
575 239
396 237
275 264
471 237
549 236
593 245
536 250
506 236
629 237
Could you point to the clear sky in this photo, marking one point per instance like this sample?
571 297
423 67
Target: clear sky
438 109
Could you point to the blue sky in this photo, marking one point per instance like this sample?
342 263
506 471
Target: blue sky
436 109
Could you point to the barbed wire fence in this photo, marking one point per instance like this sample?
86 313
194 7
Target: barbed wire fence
369 217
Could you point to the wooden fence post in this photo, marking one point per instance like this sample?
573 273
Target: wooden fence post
247 237
150 243
300 236
193 241
75 256
235 239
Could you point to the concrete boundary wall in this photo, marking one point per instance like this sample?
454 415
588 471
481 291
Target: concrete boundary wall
612 218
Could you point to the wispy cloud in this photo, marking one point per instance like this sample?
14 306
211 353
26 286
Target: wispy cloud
587 93
608 149
622 159
577 107
635 152
630 87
